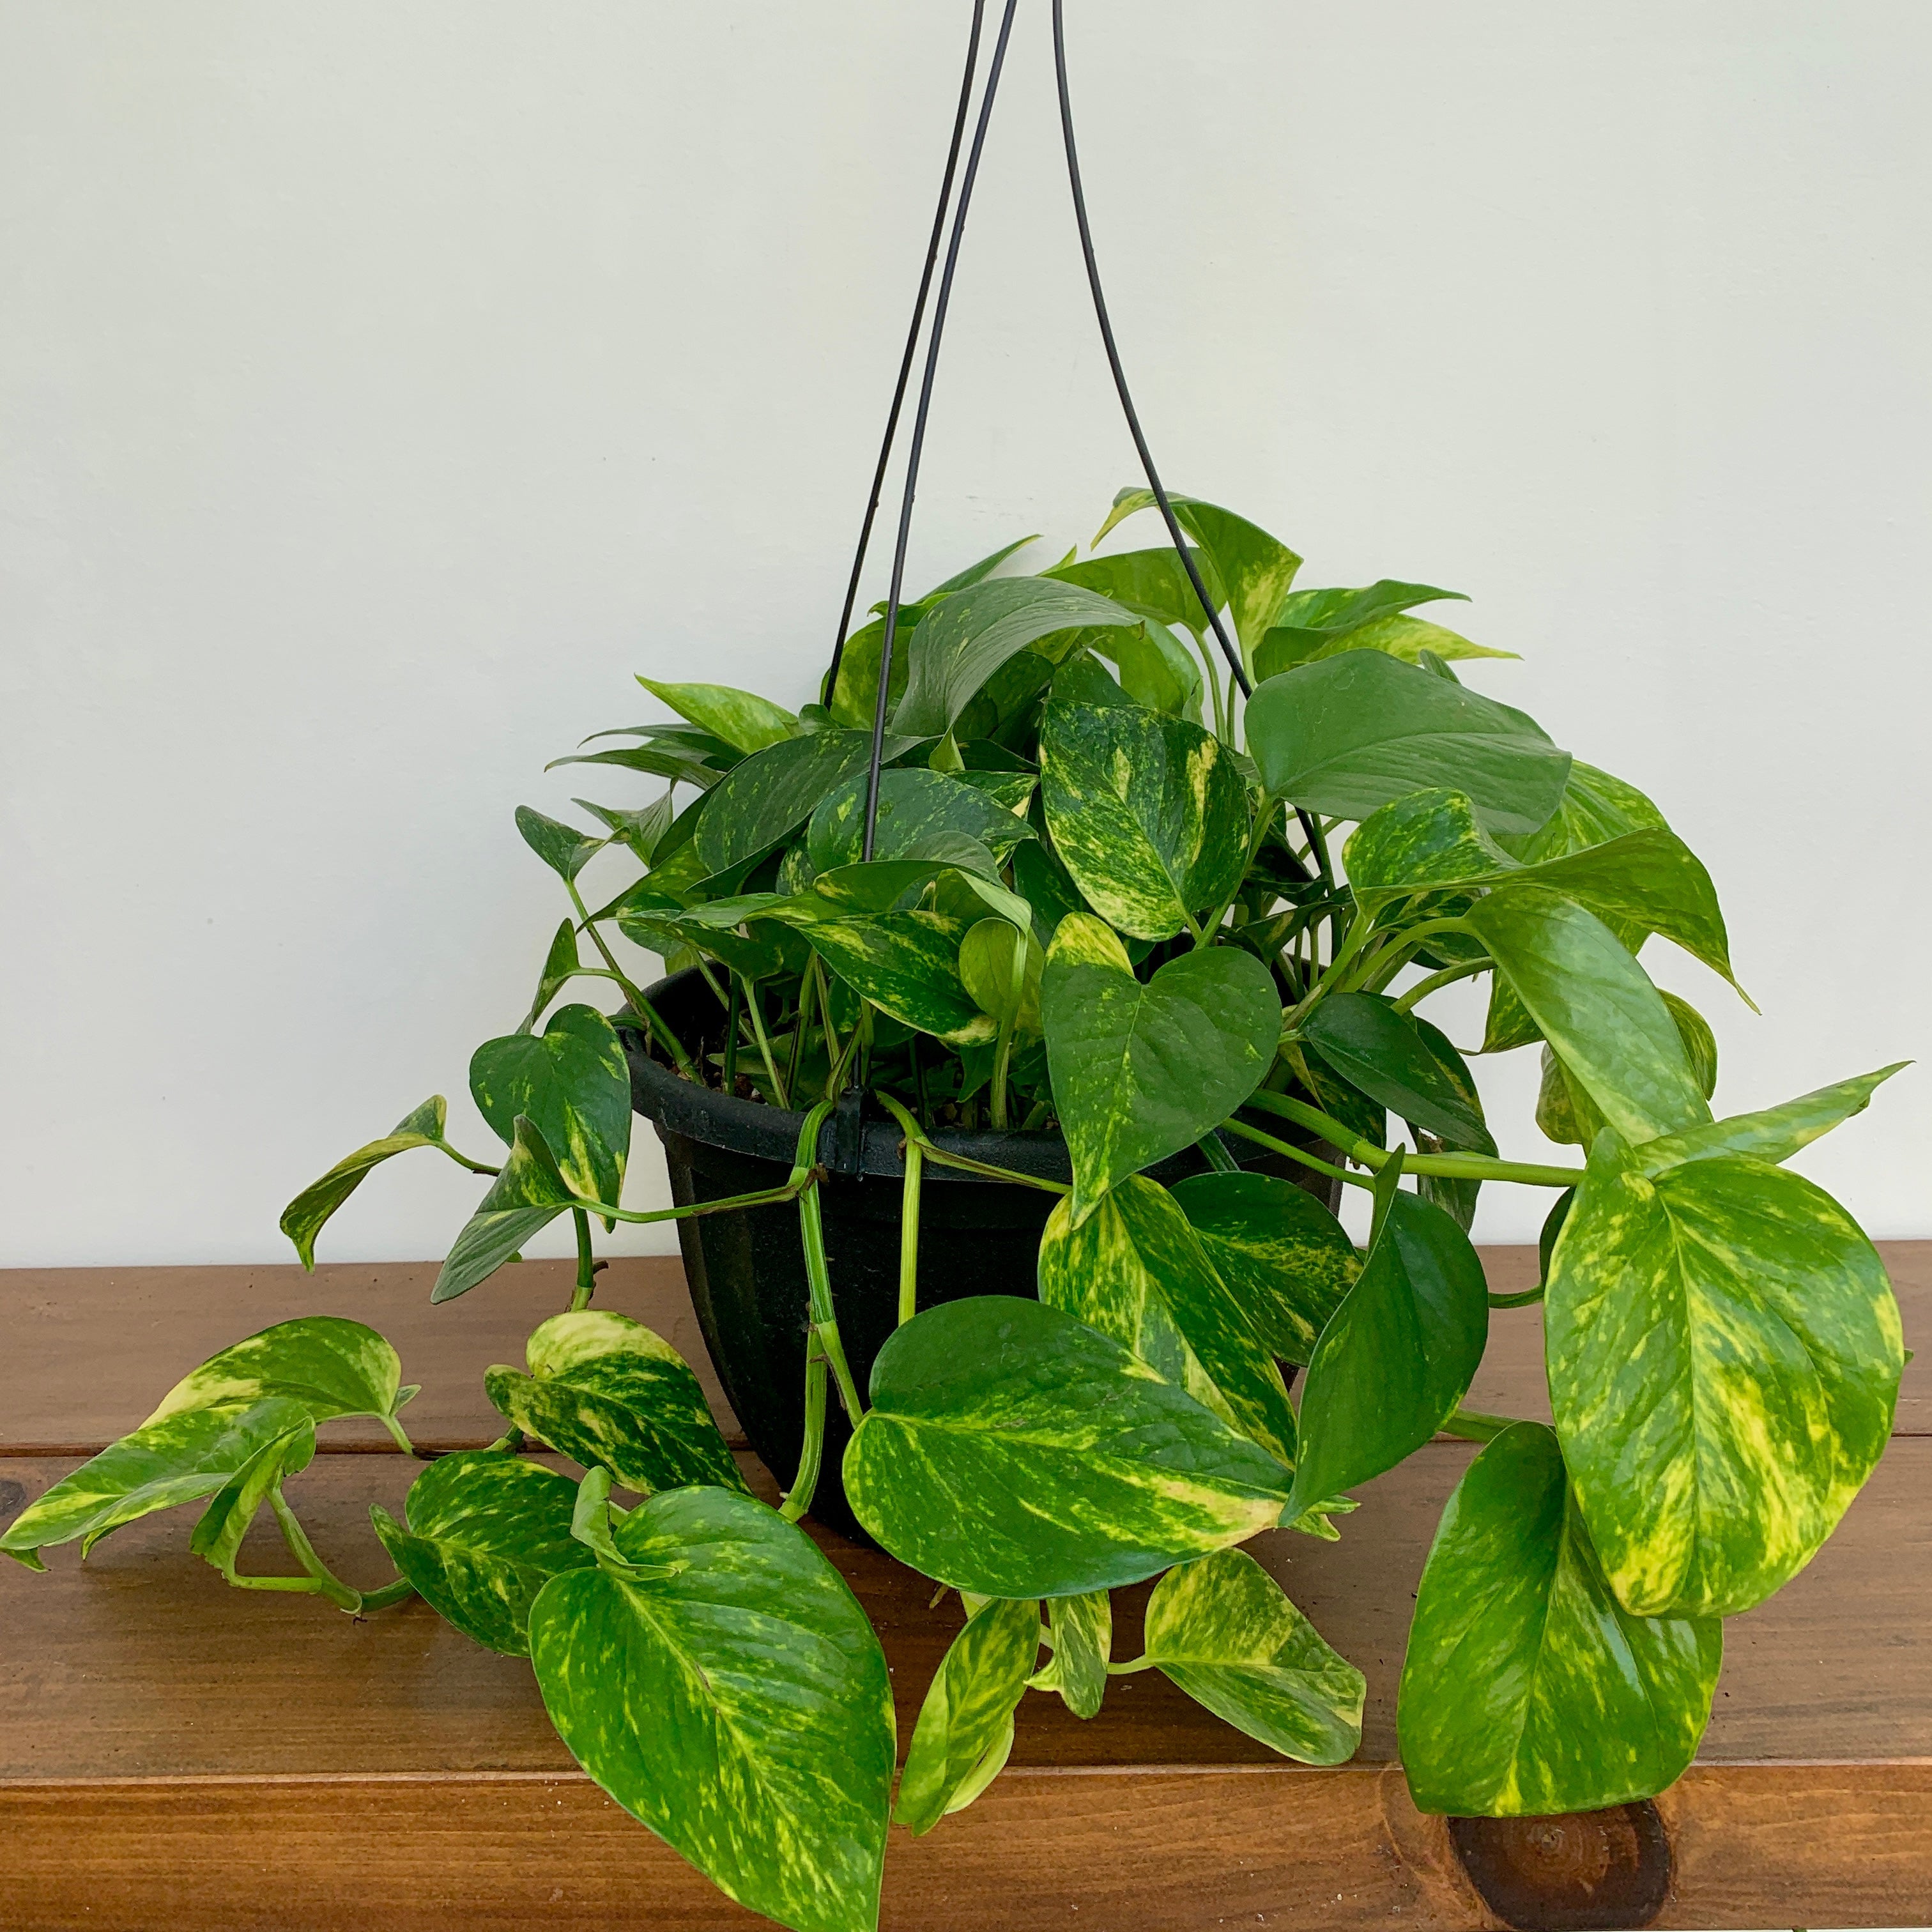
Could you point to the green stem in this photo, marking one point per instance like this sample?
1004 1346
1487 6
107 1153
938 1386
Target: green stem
1449 975
649 1014
401 1441
1293 1153
1263 818
915 1175
1471 1425
1445 1166
734 1018
1002 1052
1527 1298
510 1443
1200 643
811 1450
330 1585
967 1165
1330 981
1381 966
644 1216
1214 1152
808 991
818 1277
390 1593
463 1160
1128 1669
587 1264
781 1094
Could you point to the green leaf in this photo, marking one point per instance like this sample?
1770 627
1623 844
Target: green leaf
189 1455
1567 1114
1409 639
564 849
1324 623
1150 583
1081 1630
1047 886
1723 1353
1397 1355
217 1536
1140 1071
1011 1451
1135 1270
740 1708
328 1364
1638 883
1528 1689
1596 1008
1346 735
907 964
1156 669
744 720
563 963
1254 569
1222 1630
1775 1134
527 1196
969 636
574 1085
772 792
641 831
986 970
484 1533
1286 1257
1385 1053
968 1717
914 804
977 573
681 762
303 1219
1594 808
605 1390
1148 813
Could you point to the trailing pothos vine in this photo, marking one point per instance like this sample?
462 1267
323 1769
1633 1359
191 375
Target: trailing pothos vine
1111 901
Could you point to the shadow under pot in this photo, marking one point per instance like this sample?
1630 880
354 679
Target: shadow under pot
746 1267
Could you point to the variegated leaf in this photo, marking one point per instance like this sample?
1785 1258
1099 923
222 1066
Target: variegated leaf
915 805
1150 583
303 1218
526 1196
1148 813
1287 1259
1012 1451
564 849
605 1390
1141 1070
1135 1270
1345 735
740 1707
188 1455
1527 1688
1596 1006
1222 1630
217 1536
1775 1134
1723 1353
744 720
767 797
1567 1115
1080 1630
573 1084
966 1724
484 1532
907 964
329 1364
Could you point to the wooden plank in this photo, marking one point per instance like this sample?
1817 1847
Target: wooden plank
91 1350
1040 1851
157 1668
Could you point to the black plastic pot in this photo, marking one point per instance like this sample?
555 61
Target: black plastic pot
746 1267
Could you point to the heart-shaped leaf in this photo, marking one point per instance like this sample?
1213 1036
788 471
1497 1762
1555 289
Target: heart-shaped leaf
1396 1356
1222 1629
1012 1451
1384 1054
914 805
573 1084
744 720
564 849
605 1390
1323 623
1723 1353
1286 1257
1252 570
1345 735
526 1196
1135 1270
740 1708
965 1727
1528 1689
1080 1630
1596 1008
303 1218
484 1533
769 795
186 1456
969 636
330 1365
1150 583
1566 1113
1148 813
1140 1071
1000 983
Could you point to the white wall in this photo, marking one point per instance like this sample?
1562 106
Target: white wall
382 383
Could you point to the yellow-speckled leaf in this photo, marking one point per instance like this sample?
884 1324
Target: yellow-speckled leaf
574 1084
744 720
1148 813
607 1390
484 1533
740 1708
1081 1632
232 1508
915 805
1723 1353
767 797
1567 1113
303 1218
967 1716
1135 1270
1222 1629
331 1365
1775 1134
1527 1688
907 964
1012 1451
527 1194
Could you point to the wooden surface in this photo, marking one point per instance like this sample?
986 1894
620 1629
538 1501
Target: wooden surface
176 1753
